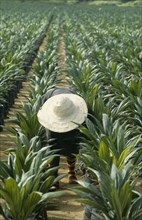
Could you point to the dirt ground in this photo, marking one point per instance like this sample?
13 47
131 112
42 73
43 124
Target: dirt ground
69 207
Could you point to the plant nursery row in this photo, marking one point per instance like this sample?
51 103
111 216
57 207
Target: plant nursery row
103 64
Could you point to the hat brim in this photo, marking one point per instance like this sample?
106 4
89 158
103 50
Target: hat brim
49 120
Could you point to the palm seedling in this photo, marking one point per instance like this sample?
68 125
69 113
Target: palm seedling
26 180
110 156
28 122
114 197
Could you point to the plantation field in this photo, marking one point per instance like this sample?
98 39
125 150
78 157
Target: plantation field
96 50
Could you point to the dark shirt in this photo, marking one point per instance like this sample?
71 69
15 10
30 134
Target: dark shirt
67 142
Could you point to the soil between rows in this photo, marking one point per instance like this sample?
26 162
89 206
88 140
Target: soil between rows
68 206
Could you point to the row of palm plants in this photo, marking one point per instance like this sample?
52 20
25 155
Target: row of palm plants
103 72
110 155
26 176
21 35
116 83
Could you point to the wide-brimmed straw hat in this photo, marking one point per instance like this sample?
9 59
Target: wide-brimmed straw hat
63 112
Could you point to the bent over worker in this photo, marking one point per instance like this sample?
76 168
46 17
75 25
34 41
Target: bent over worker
61 114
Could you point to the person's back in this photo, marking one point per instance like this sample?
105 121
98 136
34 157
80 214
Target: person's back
61 114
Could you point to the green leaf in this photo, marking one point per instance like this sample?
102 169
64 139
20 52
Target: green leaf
125 200
116 204
106 124
52 195
11 194
31 202
104 152
127 156
45 186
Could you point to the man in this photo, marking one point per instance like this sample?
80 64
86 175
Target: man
61 114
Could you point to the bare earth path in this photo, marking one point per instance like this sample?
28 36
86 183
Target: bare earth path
68 207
